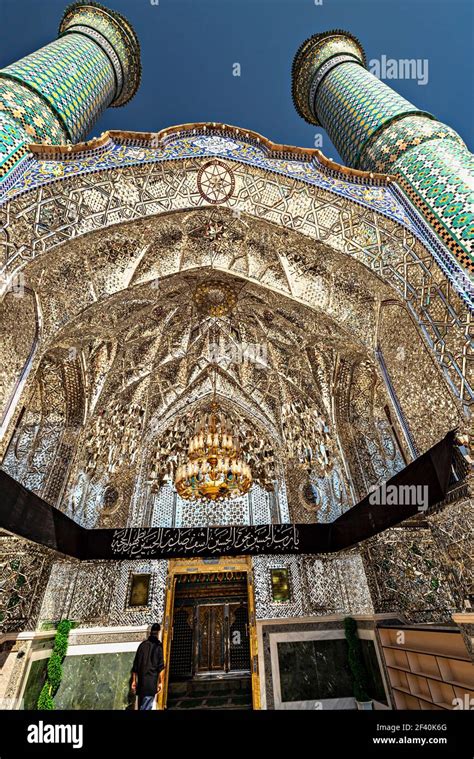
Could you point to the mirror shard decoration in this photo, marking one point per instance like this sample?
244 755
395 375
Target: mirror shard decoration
204 329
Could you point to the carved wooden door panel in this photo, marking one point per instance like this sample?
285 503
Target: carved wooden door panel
211 638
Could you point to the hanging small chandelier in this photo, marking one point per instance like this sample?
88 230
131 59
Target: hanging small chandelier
215 469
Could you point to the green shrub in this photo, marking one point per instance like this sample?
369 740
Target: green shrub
55 671
356 661
60 645
45 701
64 627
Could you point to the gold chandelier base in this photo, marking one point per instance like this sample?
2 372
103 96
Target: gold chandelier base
213 479
211 491
215 468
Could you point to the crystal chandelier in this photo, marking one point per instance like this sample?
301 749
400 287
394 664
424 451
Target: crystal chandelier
215 469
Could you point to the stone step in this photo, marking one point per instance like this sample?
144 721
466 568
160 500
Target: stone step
210 703
201 687
226 693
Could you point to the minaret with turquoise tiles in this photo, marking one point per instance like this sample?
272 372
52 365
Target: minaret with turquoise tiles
56 94
375 129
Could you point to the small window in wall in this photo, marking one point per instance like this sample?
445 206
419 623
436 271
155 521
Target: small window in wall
139 590
280 580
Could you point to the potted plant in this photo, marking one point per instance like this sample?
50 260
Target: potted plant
357 666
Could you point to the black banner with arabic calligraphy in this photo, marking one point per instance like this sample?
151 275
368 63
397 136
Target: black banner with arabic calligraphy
204 541
27 515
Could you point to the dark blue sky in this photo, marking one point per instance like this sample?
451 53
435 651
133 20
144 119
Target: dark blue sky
189 47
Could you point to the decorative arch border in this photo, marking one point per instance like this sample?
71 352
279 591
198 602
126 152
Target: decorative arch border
426 301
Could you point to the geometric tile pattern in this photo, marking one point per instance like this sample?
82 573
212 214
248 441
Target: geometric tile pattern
25 117
57 93
235 511
170 510
58 595
364 222
352 104
74 76
315 498
24 572
13 142
117 153
94 586
39 452
319 586
313 60
398 348
404 569
120 613
386 199
32 112
438 177
408 574
17 347
30 455
336 585
383 150
265 606
115 36
325 208
97 593
375 129
373 455
108 50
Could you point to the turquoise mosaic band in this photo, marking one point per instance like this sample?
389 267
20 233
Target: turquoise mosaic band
322 72
13 144
31 112
74 75
352 105
438 177
376 129
315 57
115 36
108 49
383 149
25 117
56 94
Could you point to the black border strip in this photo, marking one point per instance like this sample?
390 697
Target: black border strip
28 516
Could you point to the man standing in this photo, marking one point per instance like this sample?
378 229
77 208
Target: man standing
148 669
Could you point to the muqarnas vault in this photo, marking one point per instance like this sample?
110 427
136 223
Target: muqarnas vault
208 334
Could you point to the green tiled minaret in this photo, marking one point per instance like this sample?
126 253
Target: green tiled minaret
375 129
56 94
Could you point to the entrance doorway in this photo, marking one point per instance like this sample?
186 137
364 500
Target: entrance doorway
208 640
222 638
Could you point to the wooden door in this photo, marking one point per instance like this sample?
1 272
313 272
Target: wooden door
211 648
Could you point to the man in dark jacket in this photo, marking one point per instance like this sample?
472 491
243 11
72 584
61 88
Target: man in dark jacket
148 669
